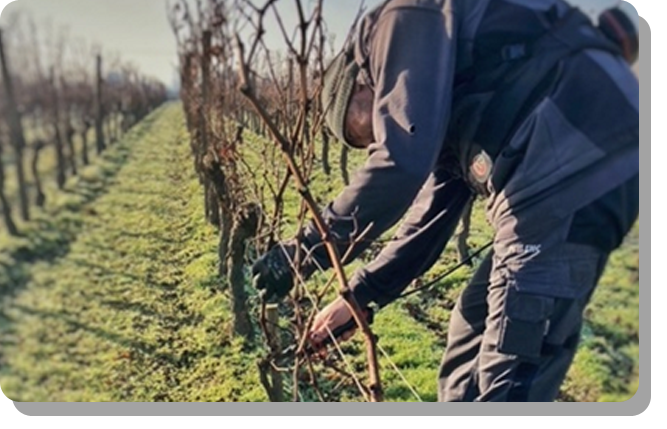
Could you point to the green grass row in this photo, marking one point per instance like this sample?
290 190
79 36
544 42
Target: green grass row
131 309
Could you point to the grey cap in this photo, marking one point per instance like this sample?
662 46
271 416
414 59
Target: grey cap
338 84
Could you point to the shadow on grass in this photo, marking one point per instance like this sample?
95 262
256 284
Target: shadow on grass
147 279
145 349
160 235
150 312
48 237
50 234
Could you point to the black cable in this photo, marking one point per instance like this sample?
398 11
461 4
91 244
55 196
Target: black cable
448 273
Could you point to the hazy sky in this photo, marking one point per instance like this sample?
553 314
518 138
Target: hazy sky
138 29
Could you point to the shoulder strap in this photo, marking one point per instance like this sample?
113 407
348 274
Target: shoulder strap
525 82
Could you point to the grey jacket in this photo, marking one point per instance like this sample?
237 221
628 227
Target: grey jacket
578 143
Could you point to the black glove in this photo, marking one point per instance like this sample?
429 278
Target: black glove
272 274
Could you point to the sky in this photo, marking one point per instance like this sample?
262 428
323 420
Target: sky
139 32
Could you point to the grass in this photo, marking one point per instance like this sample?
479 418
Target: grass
129 309
111 294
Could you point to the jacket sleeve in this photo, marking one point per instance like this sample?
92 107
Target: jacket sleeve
411 54
418 244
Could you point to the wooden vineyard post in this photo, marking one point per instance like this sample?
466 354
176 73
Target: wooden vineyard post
61 175
276 344
4 202
99 112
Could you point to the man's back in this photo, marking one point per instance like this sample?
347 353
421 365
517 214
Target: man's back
587 111
589 115
563 181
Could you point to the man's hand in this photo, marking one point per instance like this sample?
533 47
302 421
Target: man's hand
334 319
272 274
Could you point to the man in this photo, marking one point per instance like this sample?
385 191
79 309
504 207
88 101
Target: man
523 101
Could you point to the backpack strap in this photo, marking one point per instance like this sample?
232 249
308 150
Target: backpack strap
523 86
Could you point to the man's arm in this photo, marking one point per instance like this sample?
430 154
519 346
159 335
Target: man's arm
418 244
411 61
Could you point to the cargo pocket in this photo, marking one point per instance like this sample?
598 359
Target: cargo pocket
525 323
569 272
536 286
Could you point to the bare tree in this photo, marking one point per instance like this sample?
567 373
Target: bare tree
230 84
61 174
204 52
15 125
4 203
326 167
99 110
297 150
40 198
68 109
55 95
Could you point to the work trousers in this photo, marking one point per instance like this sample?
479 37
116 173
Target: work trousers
515 329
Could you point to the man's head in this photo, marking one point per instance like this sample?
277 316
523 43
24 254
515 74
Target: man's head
348 104
620 29
358 126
